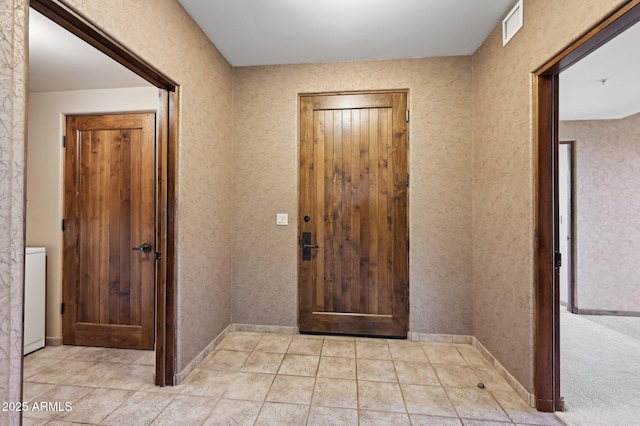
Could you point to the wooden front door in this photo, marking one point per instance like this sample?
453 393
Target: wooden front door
109 244
353 255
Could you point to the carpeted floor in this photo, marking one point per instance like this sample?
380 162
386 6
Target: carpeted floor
600 369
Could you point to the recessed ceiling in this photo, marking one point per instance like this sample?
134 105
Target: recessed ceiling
267 32
60 61
605 84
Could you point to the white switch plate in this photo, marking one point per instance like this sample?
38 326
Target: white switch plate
282 219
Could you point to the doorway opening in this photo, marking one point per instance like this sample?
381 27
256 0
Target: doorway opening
547 250
566 212
165 174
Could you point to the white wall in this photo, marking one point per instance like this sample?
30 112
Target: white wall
46 118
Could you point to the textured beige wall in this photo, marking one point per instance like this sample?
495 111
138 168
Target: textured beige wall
607 167
266 157
167 37
44 171
503 175
13 96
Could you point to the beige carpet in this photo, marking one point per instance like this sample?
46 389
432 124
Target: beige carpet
600 370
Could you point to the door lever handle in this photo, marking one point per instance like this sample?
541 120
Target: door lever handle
145 248
307 246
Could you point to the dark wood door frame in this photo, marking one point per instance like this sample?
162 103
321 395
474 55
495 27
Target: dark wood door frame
166 172
547 356
571 261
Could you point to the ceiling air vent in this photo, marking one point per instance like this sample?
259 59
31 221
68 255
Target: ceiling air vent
512 23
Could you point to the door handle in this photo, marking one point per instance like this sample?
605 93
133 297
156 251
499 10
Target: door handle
145 248
307 246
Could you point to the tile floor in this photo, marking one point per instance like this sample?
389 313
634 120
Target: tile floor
275 379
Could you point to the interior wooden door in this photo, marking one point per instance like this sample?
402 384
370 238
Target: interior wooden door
353 263
109 254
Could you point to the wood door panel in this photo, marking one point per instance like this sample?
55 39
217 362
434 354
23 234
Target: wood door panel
353 188
108 289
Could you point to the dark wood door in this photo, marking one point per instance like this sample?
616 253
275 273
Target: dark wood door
353 207
108 287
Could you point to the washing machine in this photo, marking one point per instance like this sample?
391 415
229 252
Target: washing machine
35 298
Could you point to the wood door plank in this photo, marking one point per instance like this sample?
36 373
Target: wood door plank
356 206
384 273
320 215
86 212
124 237
337 211
374 197
329 226
137 235
115 153
363 195
346 206
101 199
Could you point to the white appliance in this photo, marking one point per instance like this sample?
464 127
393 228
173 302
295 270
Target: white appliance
35 292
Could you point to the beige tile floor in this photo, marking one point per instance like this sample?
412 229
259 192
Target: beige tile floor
274 379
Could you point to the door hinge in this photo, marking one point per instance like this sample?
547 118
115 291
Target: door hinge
407 116
407 180
63 224
407 237
62 308
64 141
557 261
158 255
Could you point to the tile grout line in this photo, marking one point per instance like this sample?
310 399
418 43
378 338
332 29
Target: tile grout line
270 386
357 382
447 393
395 370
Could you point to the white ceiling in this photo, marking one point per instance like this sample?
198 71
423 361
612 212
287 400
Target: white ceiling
292 31
582 94
60 61
267 32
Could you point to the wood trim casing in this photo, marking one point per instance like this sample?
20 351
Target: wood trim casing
171 272
166 236
166 182
545 384
546 84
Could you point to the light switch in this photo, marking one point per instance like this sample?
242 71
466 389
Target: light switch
282 219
